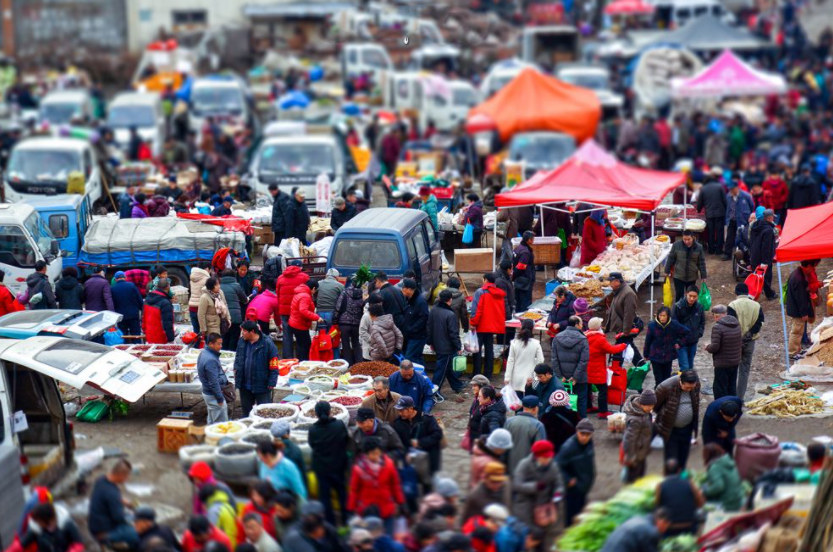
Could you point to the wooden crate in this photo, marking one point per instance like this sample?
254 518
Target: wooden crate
473 260
172 434
547 249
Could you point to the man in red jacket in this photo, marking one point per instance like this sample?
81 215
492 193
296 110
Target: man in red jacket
291 278
8 302
158 314
488 319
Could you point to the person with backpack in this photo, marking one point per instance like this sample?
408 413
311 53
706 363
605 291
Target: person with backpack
39 294
68 290
8 302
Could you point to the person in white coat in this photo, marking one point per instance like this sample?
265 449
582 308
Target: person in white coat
365 324
524 354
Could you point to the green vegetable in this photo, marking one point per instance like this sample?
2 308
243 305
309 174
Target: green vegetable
680 543
587 537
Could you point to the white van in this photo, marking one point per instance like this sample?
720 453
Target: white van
141 110
29 371
40 166
24 240
222 97
60 107
412 91
370 57
501 74
676 13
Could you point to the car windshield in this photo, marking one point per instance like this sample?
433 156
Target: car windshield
297 159
59 113
43 165
464 96
379 254
72 355
122 116
40 232
543 150
593 81
217 100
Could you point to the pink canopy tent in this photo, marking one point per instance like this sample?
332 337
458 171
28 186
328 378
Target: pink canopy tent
592 175
628 7
728 75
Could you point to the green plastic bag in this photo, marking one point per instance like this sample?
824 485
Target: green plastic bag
93 411
459 364
705 298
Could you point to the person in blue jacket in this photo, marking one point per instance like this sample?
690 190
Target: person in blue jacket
128 302
739 205
720 420
517 536
407 382
255 367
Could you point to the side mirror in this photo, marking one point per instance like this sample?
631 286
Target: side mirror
54 248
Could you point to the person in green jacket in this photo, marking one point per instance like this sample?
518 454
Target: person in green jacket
723 482
220 512
429 206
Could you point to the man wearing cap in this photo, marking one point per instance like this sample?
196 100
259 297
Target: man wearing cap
739 206
429 206
762 244
686 262
494 489
280 434
97 293
525 429
342 213
329 290
678 414
283 216
720 420
713 200
577 460
537 481
636 442
621 315
127 301
224 209
368 425
144 521
301 218
406 381
750 315
423 434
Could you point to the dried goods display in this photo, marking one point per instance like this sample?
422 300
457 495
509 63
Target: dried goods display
347 400
275 412
788 403
373 368
586 289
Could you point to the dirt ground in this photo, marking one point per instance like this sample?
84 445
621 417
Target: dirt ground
136 434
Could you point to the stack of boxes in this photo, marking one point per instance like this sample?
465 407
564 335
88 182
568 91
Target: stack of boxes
180 304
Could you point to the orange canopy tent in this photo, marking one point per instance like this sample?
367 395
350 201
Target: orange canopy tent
534 101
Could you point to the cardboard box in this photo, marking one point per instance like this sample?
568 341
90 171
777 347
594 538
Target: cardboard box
473 260
173 434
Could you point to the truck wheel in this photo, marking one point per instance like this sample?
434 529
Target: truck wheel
178 277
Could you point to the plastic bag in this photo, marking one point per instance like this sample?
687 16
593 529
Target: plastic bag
755 283
705 298
628 355
113 336
459 364
470 342
575 261
668 293
510 398
468 234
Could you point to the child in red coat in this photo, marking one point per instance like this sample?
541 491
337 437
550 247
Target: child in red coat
597 364
374 482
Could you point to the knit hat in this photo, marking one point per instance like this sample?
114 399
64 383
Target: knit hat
648 398
279 428
559 397
364 414
581 305
529 401
499 439
494 471
594 324
333 272
200 470
542 448
759 212
447 487
585 426
480 380
360 536
120 275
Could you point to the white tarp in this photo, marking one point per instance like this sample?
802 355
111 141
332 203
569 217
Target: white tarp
157 234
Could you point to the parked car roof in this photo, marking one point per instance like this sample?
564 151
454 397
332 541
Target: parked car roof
383 219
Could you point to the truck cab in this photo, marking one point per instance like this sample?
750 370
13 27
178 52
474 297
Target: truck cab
139 110
597 79
541 151
40 167
501 74
67 216
359 58
61 107
223 98
25 239
550 45
445 102
392 240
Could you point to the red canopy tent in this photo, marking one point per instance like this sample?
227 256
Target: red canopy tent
592 175
534 101
807 234
628 7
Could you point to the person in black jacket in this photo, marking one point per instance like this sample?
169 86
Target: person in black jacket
762 248
393 301
300 219
720 420
490 414
39 294
68 290
348 315
328 441
415 321
523 271
578 465
127 301
342 212
799 306
689 312
419 432
804 190
283 216
713 199
444 338
144 521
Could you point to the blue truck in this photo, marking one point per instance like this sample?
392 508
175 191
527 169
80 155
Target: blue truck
67 216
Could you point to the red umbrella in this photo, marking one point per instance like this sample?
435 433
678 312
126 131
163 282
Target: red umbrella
480 122
628 7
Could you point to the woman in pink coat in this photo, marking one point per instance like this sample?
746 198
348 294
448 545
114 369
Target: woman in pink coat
263 307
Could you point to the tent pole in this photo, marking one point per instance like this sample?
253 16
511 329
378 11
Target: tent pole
784 322
494 244
653 268
543 234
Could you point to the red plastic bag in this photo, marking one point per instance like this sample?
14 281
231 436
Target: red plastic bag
322 346
755 282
